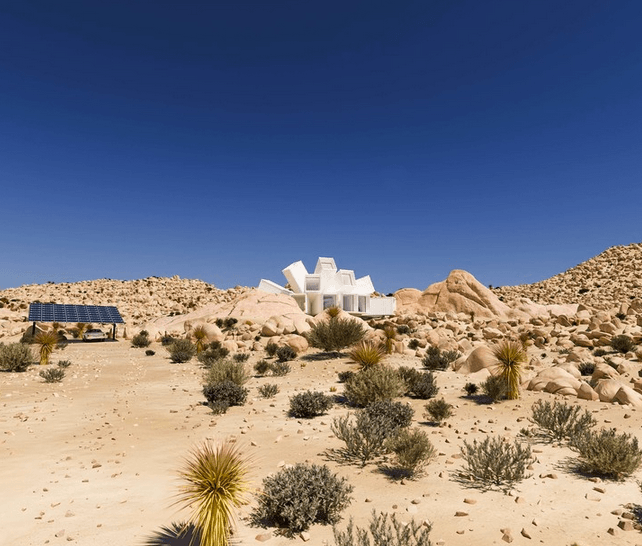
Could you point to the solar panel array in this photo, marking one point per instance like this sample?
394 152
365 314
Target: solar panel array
53 312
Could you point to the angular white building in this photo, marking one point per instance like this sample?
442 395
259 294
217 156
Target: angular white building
327 287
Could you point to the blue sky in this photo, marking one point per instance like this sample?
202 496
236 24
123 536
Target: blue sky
225 140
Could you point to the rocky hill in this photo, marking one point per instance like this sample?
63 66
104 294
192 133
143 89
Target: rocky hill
610 279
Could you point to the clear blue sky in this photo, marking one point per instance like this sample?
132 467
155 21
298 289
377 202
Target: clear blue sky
225 140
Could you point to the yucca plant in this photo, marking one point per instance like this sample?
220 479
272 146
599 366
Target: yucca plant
333 312
46 342
390 335
81 328
216 483
510 356
367 353
200 338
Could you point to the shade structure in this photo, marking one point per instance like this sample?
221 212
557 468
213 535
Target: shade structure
53 312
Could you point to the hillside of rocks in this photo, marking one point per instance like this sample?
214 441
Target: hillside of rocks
610 279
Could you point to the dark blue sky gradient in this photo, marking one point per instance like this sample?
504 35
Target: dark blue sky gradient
223 141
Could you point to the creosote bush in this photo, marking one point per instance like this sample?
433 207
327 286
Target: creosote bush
413 344
167 340
309 404
213 352
227 392
285 353
227 370
471 389
52 375
271 348
622 343
372 385
418 384
436 359
280 369
392 415
586 368
495 461
384 530
262 367
606 453
241 357
141 340
494 388
561 421
15 357
182 350
269 390
296 497
413 451
366 354
344 376
439 410
335 334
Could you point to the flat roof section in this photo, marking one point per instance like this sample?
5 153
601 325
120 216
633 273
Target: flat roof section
53 312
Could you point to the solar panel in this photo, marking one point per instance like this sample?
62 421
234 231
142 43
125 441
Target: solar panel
52 312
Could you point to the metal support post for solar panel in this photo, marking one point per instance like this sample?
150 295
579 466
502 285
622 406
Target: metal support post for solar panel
113 332
33 329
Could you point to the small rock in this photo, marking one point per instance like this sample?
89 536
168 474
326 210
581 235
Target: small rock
60 533
460 514
470 501
305 536
525 533
263 537
625 525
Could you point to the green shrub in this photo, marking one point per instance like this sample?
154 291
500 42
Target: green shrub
413 451
418 384
212 353
182 350
219 407
413 344
15 357
271 348
167 340
561 421
64 363
384 530
471 389
262 367
309 404
373 385
495 461
52 375
141 340
285 353
365 437
241 357
335 334
392 415
439 410
622 344
495 388
403 329
606 453
280 369
227 391
149 352
586 368
344 376
296 497
227 370
439 360
269 390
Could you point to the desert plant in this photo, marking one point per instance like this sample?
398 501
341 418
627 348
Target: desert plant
262 367
149 352
384 530
413 450
366 354
561 421
392 415
227 370
182 350
622 343
296 497
333 312
213 353
372 385
280 369
215 484
309 404
365 437
586 368
80 329
471 389
389 336
495 461
418 384
52 375
403 329
226 391
439 410
200 338
285 353
510 356
436 359
241 357
64 363
335 334
226 323
494 388
269 390
271 348
141 340
599 352
167 340
344 376
15 357
46 342
413 344
606 453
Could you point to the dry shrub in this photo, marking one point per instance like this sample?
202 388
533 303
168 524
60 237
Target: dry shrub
372 385
335 334
561 421
413 451
384 530
606 453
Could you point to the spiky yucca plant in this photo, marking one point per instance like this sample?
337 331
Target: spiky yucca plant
200 336
215 481
510 356
390 336
367 353
81 328
333 311
46 342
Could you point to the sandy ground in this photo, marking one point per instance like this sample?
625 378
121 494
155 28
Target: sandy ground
94 460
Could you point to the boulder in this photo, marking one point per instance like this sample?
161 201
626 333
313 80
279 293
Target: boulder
627 396
603 371
556 376
586 392
298 343
481 358
607 389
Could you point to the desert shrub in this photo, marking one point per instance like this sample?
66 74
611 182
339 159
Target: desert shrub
309 404
218 407
439 360
392 415
285 353
622 343
226 323
621 316
227 391
279 369
384 530
364 436
335 334
413 450
64 363
600 352
167 340
262 367
408 375
141 340
241 357
423 386
296 497
510 356
15 357
269 390
46 342
439 410
495 461
413 344
27 337
403 329
80 329
390 334
149 352
182 350
471 389
366 354
344 376
213 353
606 453
271 348
494 388
586 368
372 385
52 375
227 370
561 421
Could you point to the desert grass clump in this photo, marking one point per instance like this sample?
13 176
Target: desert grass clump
46 343
413 451
622 343
510 356
586 368
471 389
182 350
225 393
366 354
269 390
141 340
439 410
561 421
335 334
495 461
436 359
373 385
227 370
52 375
215 485
606 453
494 388
285 353
298 496
310 404
15 357
271 348
200 338
64 363
280 369
384 530
241 357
